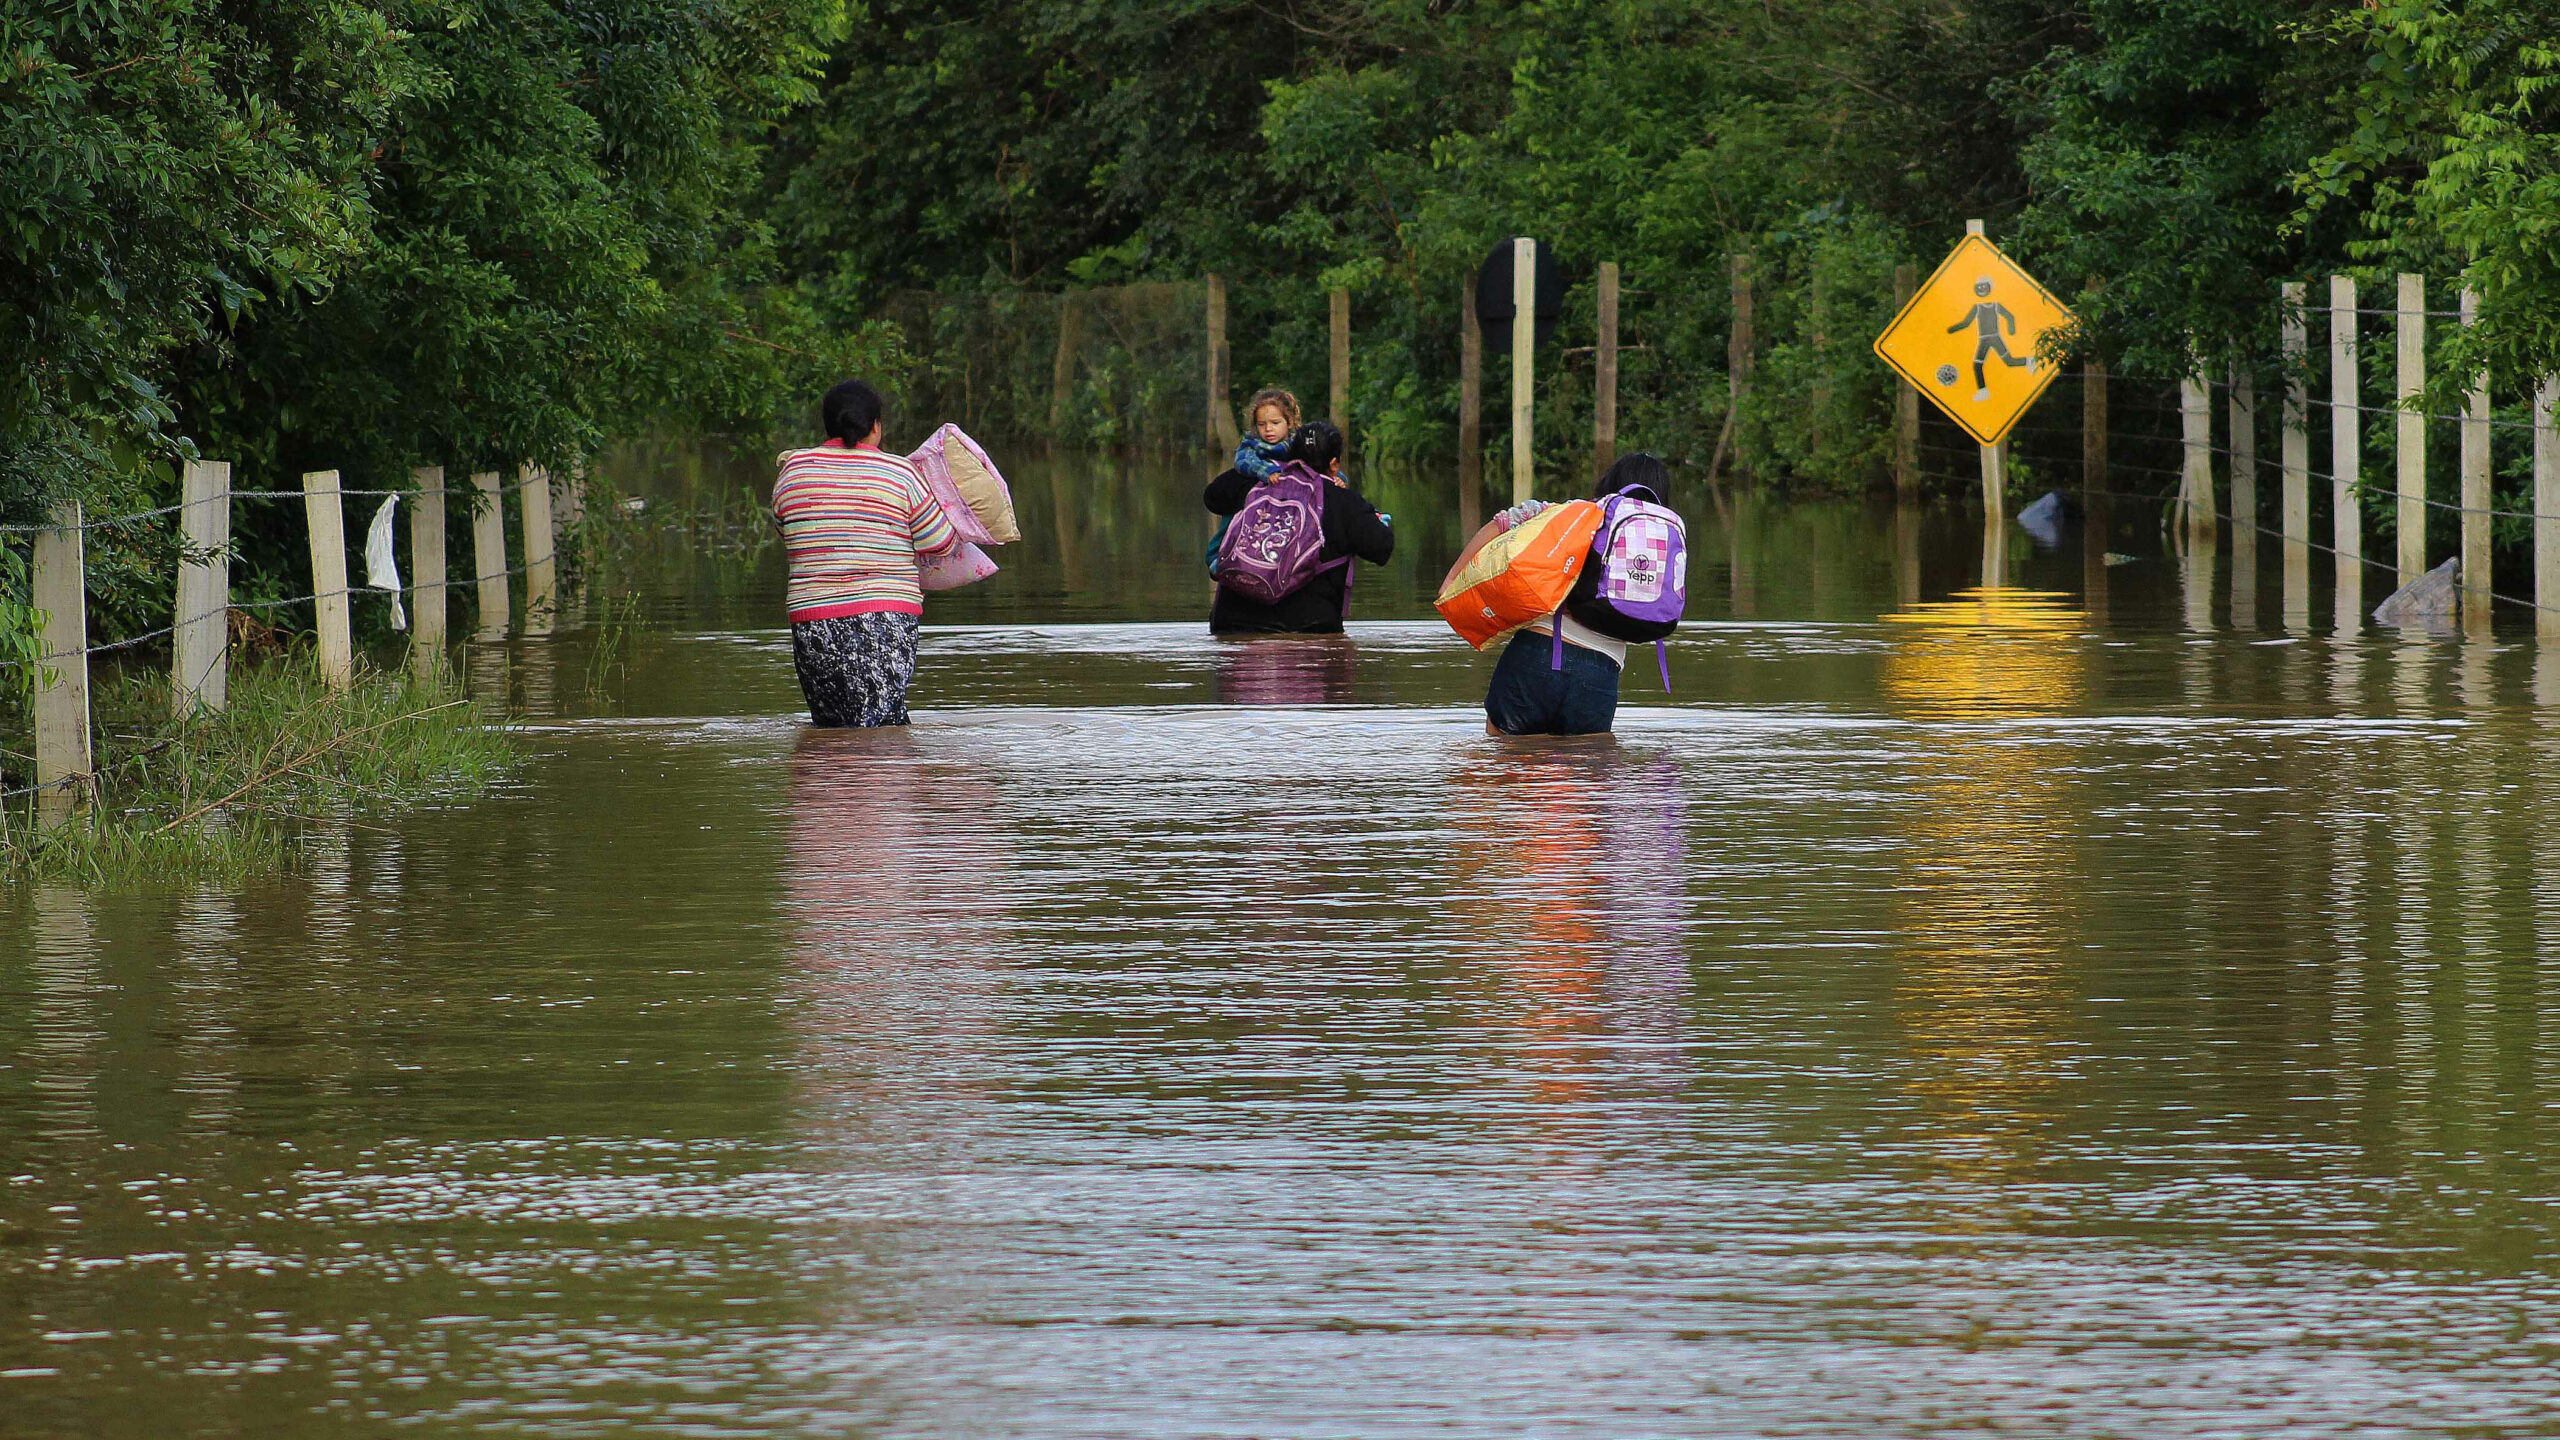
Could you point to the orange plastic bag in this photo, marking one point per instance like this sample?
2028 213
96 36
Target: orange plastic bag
1521 574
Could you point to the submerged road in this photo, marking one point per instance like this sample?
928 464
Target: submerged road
1935 1017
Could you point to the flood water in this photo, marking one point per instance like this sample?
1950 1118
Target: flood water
2094 1006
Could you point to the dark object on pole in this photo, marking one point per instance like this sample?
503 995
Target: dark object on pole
1493 291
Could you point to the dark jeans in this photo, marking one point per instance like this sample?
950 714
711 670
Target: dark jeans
1529 698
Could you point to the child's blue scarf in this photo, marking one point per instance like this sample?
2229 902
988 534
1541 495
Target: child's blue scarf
1258 458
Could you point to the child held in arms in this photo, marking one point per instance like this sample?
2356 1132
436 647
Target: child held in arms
1273 414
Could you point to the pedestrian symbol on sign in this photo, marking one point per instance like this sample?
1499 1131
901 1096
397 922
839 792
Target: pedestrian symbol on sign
1986 318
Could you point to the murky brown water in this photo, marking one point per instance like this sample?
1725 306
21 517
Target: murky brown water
1944 1013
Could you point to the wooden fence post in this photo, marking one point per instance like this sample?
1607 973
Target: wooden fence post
427 588
2345 452
1738 359
2093 424
327 516
2411 519
59 588
1906 400
200 646
2195 481
1223 437
2546 508
1524 348
1604 370
2296 520
2243 416
541 568
1062 370
489 554
2297 421
1470 416
1339 303
2475 490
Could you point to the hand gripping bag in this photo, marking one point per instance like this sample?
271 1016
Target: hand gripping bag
965 481
1521 574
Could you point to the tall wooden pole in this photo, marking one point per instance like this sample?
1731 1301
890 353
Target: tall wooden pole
1470 416
1222 415
1524 347
2475 490
1738 359
2546 508
2093 425
2345 454
2411 516
2296 521
2097 506
328 519
428 589
1604 401
200 647
1906 401
1062 368
1340 301
2244 497
59 589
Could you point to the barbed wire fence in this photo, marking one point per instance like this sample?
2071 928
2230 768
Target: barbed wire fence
59 688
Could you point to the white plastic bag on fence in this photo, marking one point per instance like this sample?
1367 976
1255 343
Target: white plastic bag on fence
381 567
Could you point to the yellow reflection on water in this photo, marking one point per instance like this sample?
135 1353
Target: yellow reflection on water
1986 899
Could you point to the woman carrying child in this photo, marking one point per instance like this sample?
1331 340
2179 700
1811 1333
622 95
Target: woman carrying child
1352 530
1531 693
854 519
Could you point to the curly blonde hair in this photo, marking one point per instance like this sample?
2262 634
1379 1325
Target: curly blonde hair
1272 395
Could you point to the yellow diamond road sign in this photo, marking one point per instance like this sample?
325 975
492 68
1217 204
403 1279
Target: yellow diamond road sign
1968 339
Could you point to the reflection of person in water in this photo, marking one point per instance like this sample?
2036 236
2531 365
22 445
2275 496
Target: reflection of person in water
1286 670
1987 318
1588 848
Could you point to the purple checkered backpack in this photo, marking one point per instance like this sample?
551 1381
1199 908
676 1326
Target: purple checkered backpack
1271 548
1637 583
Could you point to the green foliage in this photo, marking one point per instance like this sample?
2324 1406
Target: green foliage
163 169
243 791
2454 160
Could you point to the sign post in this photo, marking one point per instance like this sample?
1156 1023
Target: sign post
1519 287
1969 340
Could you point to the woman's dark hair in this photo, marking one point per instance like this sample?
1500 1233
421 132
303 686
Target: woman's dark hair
1317 443
1638 469
850 410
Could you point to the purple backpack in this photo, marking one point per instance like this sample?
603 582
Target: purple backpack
1637 583
1273 545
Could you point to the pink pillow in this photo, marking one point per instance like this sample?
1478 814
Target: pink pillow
965 482
965 566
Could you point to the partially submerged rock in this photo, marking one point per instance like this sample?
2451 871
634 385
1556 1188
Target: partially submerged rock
2048 517
2430 600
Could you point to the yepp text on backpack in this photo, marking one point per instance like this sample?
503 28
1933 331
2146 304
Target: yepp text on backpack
1637 584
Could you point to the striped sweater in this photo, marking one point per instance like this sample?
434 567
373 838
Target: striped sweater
853 522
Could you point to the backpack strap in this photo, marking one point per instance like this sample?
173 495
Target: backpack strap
1662 654
1555 626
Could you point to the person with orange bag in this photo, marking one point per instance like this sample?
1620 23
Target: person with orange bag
1549 683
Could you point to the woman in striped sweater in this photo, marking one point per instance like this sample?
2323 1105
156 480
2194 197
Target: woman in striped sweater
854 519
